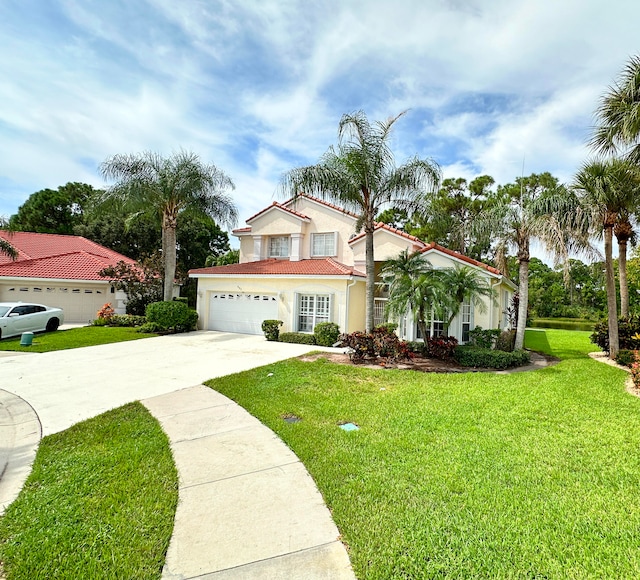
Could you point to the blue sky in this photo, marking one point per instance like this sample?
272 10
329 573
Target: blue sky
258 86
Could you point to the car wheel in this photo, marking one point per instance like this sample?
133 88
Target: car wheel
53 324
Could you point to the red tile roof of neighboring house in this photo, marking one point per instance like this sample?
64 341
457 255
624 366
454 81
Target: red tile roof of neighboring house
273 267
55 256
387 227
434 246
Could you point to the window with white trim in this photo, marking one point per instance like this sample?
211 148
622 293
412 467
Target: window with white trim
466 313
279 247
323 244
312 309
435 327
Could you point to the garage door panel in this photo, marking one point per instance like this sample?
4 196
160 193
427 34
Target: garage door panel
241 312
79 302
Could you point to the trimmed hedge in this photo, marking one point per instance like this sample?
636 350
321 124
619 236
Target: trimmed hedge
172 316
129 320
297 337
326 333
483 358
271 329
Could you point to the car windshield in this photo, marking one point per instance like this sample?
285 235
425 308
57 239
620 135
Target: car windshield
4 310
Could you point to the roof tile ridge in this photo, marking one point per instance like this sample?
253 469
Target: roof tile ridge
323 202
461 256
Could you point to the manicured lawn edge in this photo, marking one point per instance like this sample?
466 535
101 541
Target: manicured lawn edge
74 338
99 502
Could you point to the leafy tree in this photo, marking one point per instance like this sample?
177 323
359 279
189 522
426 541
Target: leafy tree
617 129
113 230
148 183
199 238
413 286
53 211
141 283
361 176
231 257
447 218
530 208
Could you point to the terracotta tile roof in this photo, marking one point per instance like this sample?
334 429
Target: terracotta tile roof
434 246
321 202
273 267
241 231
387 227
56 256
282 207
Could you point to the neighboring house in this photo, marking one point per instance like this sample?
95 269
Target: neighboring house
302 262
61 271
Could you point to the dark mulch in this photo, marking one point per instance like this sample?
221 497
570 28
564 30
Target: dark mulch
418 363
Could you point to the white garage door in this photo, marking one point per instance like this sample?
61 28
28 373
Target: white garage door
241 312
80 302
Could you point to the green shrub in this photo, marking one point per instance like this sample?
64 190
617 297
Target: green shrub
417 347
506 341
626 357
389 327
484 358
129 320
326 333
297 337
172 316
441 347
627 329
271 329
482 338
99 322
381 342
183 299
150 327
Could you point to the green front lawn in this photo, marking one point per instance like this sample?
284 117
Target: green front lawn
475 475
74 338
99 503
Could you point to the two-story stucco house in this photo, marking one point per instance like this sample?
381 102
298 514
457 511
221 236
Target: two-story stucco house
303 262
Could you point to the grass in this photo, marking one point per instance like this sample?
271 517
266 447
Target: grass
564 323
475 475
74 338
99 503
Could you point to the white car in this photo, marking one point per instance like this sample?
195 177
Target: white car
19 317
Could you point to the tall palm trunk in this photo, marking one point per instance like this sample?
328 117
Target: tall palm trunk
612 309
371 277
623 231
523 290
169 223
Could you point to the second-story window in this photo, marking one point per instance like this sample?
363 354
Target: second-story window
279 247
323 244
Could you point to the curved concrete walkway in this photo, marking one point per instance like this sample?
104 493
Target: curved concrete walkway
247 506
20 433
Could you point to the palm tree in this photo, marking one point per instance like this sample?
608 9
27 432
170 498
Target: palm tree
7 249
617 129
361 176
149 184
530 208
605 189
414 286
464 284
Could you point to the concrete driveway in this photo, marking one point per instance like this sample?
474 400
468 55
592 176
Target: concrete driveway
43 393
68 386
